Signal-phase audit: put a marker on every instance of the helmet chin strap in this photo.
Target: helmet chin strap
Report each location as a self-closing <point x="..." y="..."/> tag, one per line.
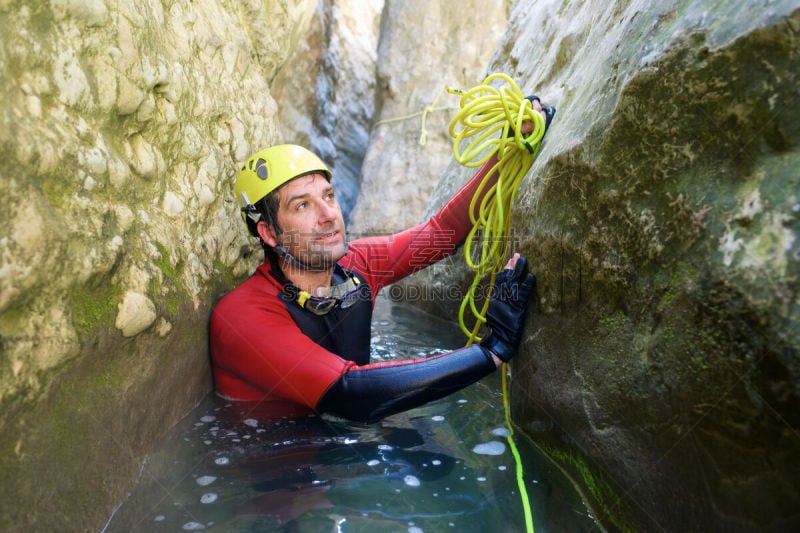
<point x="296" y="263"/>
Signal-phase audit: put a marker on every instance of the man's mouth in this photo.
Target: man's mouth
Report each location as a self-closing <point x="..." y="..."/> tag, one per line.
<point x="325" y="236"/>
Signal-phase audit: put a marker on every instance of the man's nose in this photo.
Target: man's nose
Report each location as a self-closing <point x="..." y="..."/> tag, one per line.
<point x="326" y="212"/>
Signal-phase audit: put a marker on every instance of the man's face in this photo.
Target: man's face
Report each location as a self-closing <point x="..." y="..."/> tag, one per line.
<point x="312" y="221"/>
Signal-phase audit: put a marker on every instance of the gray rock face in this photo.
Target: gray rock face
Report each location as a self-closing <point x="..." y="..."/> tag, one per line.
<point x="421" y="53"/>
<point x="121" y="125"/>
<point x="661" y="365"/>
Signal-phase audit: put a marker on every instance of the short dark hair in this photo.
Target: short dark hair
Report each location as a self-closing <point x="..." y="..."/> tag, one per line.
<point x="268" y="207"/>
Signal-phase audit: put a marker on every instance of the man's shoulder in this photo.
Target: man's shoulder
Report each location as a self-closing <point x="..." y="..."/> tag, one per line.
<point x="256" y="290"/>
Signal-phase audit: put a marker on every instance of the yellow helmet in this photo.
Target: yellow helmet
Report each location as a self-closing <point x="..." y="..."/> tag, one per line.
<point x="267" y="170"/>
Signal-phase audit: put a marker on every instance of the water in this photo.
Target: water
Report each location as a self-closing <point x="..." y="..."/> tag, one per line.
<point x="445" y="466"/>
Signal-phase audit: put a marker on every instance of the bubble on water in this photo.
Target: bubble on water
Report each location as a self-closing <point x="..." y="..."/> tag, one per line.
<point x="436" y="462"/>
<point x="222" y="461"/>
<point x="437" y="418"/>
<point x="501" y="467"/>
<point x="462" y="401"/>
<point x="208" y="497"/>
<point x="193" y="526"/>
<point x="213" y="428"/>
<point x="348" y="440"/>
<point x="462" y="478"/>
<point x="384" y="447"/>
<point x="373" y="462"/>
<point x="411" y="481"/>
<point x="415" y="529"/>
<point x="205" y="480"/>
<point x="208" y="418"/>
<point x="490" y="448"/>
<point x="159" y="518"/>
<point x="481" y="478"/>
<point x="501" y="432"/>
<point x="207" y="442"/>
<point x="252" y="422"/>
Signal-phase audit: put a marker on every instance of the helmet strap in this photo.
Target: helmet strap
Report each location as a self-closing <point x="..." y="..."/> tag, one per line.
<point x="294" y="262"/>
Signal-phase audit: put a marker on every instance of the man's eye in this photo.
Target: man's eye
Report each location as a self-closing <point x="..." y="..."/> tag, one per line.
<point x="301" y="205"/>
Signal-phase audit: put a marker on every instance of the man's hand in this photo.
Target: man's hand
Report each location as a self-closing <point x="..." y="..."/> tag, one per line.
<point x="513" y="289"/>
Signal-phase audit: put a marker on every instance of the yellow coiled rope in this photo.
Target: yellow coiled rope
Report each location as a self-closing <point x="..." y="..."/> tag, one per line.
<point x="490" y="122"/>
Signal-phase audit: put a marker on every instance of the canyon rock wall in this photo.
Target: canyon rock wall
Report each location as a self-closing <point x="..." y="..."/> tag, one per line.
<point x="662" y="363"/>
<point x="122" y="124"/>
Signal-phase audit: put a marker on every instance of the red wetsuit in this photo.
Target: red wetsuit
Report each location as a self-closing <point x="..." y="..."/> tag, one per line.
<point x="259" y="353"/>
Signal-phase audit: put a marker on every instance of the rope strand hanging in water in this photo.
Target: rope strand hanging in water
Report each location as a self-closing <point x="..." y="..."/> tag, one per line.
<point x="493" y="119"/>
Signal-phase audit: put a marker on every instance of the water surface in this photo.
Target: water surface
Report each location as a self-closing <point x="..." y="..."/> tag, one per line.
<point x="443" y="467"/>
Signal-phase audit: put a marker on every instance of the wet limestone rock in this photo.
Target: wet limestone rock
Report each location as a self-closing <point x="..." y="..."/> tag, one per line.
<point x="661" y="366"/>
<point x="326" y="90"/>
<point x="120" y="128"/>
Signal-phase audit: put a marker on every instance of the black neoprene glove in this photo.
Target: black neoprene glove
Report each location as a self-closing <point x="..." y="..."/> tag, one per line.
<point x="511" y="293"/>
<point x="549" y="111"/>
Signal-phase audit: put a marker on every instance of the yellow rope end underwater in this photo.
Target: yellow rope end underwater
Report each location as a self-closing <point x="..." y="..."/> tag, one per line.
<point x="490" y="122"/>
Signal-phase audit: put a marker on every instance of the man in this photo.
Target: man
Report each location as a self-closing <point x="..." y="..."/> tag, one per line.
<point x="297" y="333"/>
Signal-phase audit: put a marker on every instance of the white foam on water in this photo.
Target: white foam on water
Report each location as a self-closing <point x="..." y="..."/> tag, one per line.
<point x="252" y="422"/>
<point x="208" y="497"/>
<point x="205" y="480"/>
<point x="436" y="462"/>
<point x="222" y="461"/>
<point x="415" y="529"/>
<point x="208" y="418"/>
<point x="437" y="418"/>
<point x="490" y="448"/>
<point x="384" y="447"/>
<point x="501" y="467"/>
<point x="501" y="432"/>
<point x="411" y="481"/>
<point x="159" y="518"/>
<point x="463" y="401"/>
<point x="192" y="526"/>
<point x="481" y="478"/>
<point x="373" y="462"/>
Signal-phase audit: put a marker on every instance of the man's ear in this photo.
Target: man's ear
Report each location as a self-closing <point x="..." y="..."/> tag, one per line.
<point x="267" y="233"/>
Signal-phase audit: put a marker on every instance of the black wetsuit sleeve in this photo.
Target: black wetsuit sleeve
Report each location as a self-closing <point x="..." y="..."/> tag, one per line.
<point x="366" y="394"/>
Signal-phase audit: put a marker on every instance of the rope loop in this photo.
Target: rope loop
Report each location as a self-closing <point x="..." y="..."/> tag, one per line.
<point x="490" y="122"/>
